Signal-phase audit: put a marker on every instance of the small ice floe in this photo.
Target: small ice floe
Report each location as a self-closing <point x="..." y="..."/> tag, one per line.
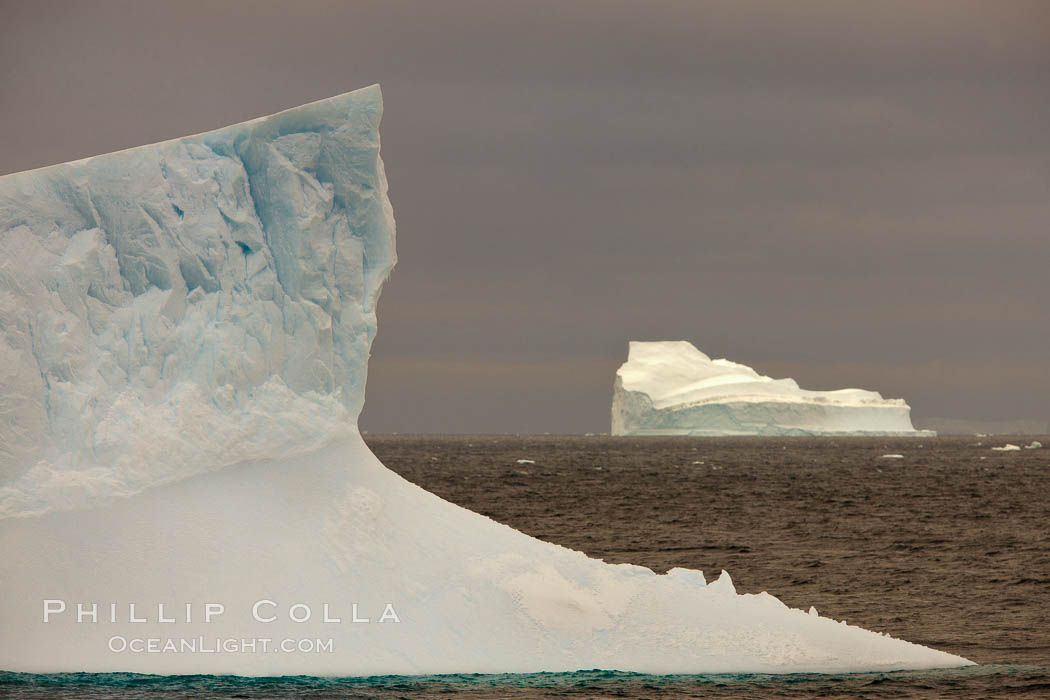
<point x="526" y="461"/>
<point x="893" y="456"/>
<point x="696" y="462"/>
<point x="1034" y="445"/>
<point x="1007" y="448"/>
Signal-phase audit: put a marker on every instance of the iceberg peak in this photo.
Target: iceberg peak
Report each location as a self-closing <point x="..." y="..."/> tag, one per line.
<point x="180" y="307"/>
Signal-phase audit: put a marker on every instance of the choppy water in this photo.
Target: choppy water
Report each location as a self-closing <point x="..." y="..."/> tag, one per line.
<point x="948" y="547"/>
<point x="980" y="681"/>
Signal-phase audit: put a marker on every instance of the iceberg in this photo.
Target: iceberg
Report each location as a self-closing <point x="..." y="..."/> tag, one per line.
<point x="671" y="388"/>
<point x="184" y="334"/>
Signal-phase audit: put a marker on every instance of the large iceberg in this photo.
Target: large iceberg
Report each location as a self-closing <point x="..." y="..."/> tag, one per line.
<point x="671" y="388"/>
<point x="184" y="334"/>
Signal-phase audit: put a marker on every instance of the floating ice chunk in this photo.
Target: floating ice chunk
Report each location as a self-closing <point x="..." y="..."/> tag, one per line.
<point x="1008" y="447"/>
<point x="526" y="461"/>
<point x="1033" y="445"/>
<point x="671" y="388"/>
<point x="892" y="456"/>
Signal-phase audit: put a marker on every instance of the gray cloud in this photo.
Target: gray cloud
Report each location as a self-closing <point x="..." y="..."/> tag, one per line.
<point x="851" y="193"/>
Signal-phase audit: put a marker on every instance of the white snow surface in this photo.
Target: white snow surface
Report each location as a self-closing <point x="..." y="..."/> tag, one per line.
<point x="184" y="331"/>
<point x="672" y="388"/>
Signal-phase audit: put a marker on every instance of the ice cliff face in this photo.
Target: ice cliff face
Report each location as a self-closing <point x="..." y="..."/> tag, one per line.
<point x="671" y="388"/>
<point x="188" y="305"/>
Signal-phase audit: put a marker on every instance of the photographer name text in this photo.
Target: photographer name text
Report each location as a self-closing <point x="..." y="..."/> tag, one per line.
<point x="264" y="611"/>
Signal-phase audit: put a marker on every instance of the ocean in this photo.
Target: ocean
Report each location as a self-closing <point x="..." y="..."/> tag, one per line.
<point x="947" y="545"/>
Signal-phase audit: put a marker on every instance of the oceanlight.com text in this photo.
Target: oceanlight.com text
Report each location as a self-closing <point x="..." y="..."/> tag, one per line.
<point x="218" y="645"/>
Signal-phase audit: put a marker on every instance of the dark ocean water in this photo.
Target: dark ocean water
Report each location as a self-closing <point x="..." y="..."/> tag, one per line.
<point x="948" y="547"/>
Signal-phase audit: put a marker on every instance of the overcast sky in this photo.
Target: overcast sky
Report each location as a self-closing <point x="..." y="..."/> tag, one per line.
<point x="848" y="193"/>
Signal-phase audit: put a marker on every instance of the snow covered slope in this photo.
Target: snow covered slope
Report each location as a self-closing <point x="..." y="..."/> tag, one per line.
<point x="671" y="388"/>
<point x="185" y="332"/>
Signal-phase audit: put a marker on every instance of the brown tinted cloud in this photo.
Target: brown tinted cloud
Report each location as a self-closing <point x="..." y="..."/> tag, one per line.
<point x="852" y="193"/>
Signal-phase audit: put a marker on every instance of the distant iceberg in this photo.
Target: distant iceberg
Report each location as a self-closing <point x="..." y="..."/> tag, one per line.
<point x="671" y="388"/>
<point x="184" y="338"/>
